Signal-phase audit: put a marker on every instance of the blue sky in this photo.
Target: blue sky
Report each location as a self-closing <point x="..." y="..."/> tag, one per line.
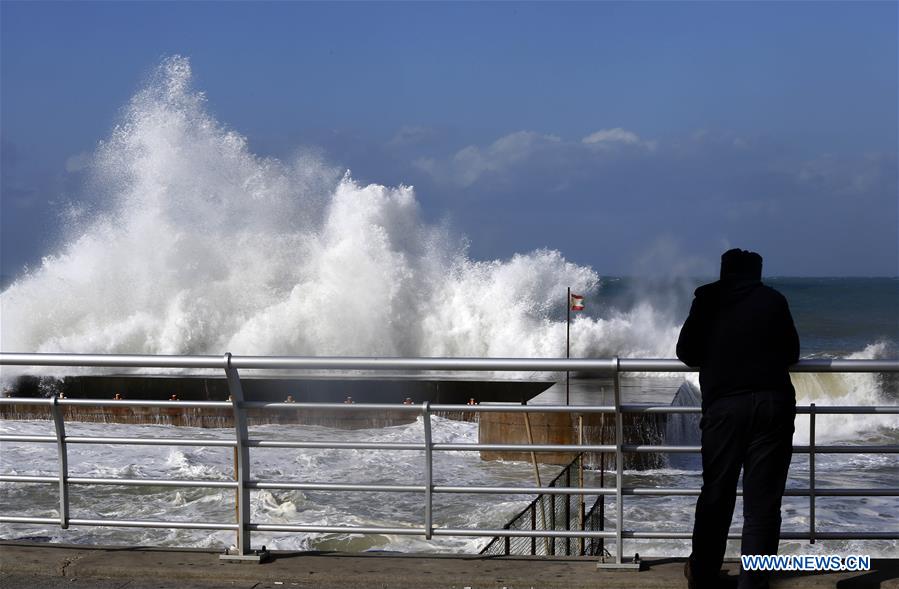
<point x="634" y="137"/>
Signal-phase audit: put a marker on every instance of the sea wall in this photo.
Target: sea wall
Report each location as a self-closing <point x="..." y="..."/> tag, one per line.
<point x="388" y="391"/>
<point x="220" y="418"/>
<point x="563" y="428"/>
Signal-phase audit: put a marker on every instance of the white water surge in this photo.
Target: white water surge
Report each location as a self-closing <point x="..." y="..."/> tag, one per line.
<point x="198" y="246"/>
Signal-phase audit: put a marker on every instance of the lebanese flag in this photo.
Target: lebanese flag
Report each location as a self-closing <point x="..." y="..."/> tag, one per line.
<point x="577" y="302"/>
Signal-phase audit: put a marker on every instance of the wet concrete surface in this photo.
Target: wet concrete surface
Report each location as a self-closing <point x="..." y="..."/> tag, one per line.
<point x="38" y="566"/>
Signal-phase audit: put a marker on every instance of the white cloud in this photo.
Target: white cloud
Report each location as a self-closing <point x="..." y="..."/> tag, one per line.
<point x="616" y="135"/>
<point x="472" y="162"/>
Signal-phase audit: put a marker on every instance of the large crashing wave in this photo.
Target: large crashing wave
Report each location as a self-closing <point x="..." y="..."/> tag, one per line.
<point x="199" y="246"/>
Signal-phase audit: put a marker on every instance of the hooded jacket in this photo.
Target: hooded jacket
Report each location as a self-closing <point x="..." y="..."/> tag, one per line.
<point x="740" y="333"/>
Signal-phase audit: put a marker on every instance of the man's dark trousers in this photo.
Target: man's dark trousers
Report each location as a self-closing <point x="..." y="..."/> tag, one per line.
<point x="752" y="430"/>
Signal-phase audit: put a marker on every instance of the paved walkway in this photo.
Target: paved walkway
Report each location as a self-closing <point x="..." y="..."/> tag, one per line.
<point x="37" y="566"/>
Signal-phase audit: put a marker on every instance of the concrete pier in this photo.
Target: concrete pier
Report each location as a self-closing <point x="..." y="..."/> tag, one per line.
<point x="76" y="567"/>
<point x="390" y="390"/>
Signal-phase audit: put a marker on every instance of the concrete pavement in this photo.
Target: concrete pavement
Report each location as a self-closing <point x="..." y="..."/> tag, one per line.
<point x="38" y="566"/>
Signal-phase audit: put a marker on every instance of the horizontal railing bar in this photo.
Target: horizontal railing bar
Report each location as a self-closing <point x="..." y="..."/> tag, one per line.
<point x="336" y="487"/>
<point x="503" y="532"/>
<point x="309" y="362"/>
<point x="798" y="492"/>
<point x="841" y="365"/>
<point x="147" y="403"/>
<point x="884" y="449"/>
<point x="123" y="441"/>
<point x="800" y="409"/>
<point x="783" y="535"/>
<point x="641" y="408"/>
<point x="111" y="360"/>
<point x="213" y="484"/>
<point x="117" y="403"/>
<point x="653" y="365"/>
<point x="850" y="492"/>
<point x="29" y="520"/>
<point x="335" y="445"/>
<point x="420" y="531"/>
<point x="335" y="529"/>
<point x="817" y="365"/>
<point x="336" y="406"/>
<point x="16" y="438"/>
<point x="658" y="491"/>
<point x="453" y="364"/>
<point x="848" y="409"/>
<point x="519" y="408"/>
<point x="24" y="478"/>
<point x="120" y="523"/>
<point x="648" y="448"/>
<point x="150" y="441"/>
<point x="525" y="447"/>
<point x="371" y="363"/>
<point x="27" y="401"/>
<point x="841" y="535"/>
<point x="526" y="490"/>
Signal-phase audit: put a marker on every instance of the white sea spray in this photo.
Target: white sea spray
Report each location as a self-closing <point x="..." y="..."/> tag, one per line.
<point x="197" y="246"/>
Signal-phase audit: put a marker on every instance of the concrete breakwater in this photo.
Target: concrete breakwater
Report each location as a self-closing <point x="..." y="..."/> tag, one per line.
<point x="219" y="418"/>
<point x="493" y="427"/>
<point x="564" y="428"/>
<point x="387" y="391"/>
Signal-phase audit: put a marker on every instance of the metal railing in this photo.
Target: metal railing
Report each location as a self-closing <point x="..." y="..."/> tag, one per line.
<point x="554" y="512"/>
<point x="242" y="442"/>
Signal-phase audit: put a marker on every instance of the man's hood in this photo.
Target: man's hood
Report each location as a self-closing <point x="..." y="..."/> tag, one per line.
<point x="728" y="290"/>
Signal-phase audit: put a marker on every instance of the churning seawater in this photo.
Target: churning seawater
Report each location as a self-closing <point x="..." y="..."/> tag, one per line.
<point x="191" y="244"/>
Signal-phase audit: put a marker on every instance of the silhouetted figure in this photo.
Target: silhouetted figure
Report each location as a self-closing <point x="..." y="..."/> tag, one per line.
<point x="741" y="336"/>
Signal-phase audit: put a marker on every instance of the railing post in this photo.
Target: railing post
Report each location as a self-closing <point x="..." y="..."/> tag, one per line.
<point x="619" y="475"/>
<point x="534" y="527"/>
<point x="429" y="470"/>
<point x="568" y="499"/>
<point x="619" y="469"/>
<point x="243" y="551"/>
<point x="60" y="427"/>
<point x="811" y="472"/>
<point x="580" y="483"/>
<point x="552" y="523"/>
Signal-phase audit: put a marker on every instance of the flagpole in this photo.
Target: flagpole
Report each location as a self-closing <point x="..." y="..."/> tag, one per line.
<point x="567" y="339"/>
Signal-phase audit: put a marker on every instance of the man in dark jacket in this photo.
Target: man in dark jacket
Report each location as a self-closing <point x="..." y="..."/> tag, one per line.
<point x="741" y="336"/>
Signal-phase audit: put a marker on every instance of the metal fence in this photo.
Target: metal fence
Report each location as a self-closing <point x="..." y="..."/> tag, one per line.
<point x="557" y="512"/>
<point x="244" y="483"/>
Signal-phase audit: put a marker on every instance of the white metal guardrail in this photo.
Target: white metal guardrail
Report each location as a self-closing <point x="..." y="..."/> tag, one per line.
<point x="242" y="442"/>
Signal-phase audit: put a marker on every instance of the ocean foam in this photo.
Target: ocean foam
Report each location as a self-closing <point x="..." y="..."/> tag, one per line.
<point x="198" y="246"/>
